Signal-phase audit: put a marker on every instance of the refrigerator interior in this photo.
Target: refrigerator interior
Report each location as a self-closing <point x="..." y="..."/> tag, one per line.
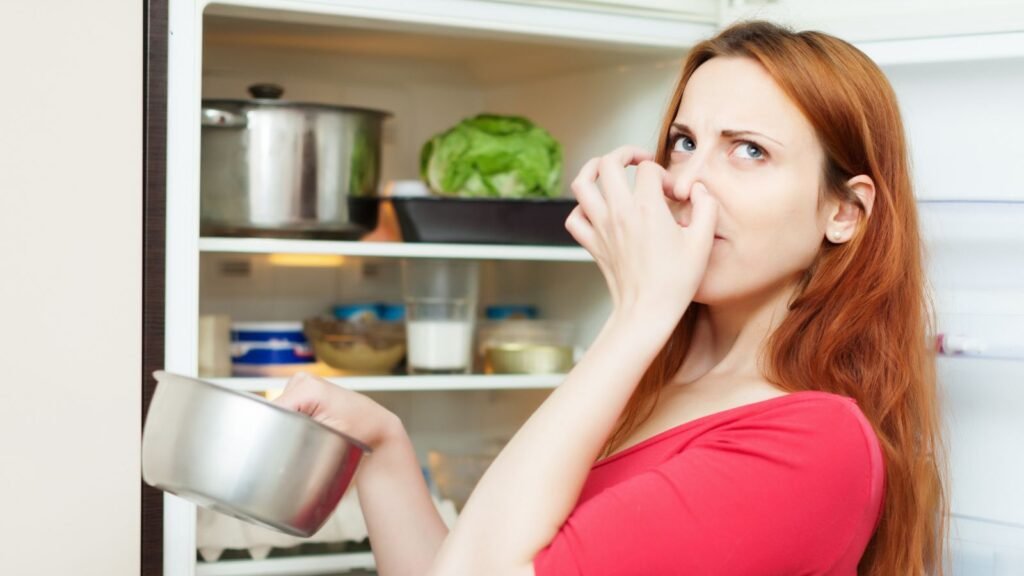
<point x="254" y="288"/>
<point x="962" y="119"/>
<point x="591" y="97"/>
<point x="977" y="275"/>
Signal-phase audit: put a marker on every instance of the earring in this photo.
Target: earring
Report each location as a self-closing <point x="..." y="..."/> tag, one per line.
<point x="836" y="236"/>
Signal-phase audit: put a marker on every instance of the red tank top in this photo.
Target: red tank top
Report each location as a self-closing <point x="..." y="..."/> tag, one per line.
<point x="786" y="486"/>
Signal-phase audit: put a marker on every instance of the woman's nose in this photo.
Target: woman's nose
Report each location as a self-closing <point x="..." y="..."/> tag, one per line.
<point x="679" y="196"/>
<point x="685" y="176"/>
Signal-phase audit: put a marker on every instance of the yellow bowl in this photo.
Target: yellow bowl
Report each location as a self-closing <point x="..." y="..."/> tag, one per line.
<point x="357" y="348"/>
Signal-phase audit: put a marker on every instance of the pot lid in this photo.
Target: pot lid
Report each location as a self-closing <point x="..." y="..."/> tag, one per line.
<point x="268" y="95"/>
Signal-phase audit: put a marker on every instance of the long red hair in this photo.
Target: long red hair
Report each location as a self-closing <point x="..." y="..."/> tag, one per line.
<point x="861" y="322"/>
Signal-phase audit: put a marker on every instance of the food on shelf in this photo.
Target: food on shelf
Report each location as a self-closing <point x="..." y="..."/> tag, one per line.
<point x="360" y="339"/>
<point x="513" y="341"/>
<point x="270" y="349"/>
<point x="440" y="345"/>
<point x="493" y="156"/>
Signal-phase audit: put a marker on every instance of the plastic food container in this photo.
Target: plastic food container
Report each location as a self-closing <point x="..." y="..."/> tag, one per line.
<point x="269" y="349"/>
<point x="527" y="358"/>
<point x="525" y="346"/>
<point x="391" y="312"/>
<point x="510" y="311"/>
<point x="368" y="311"/>
<point x="366" y="346"/>
<point x="357" y="312"/>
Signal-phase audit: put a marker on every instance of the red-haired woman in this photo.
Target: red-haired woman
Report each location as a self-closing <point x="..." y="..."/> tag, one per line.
<point x="762" y="398"/>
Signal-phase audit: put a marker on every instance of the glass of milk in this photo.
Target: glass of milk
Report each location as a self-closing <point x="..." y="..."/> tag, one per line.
<point x="440" y="314"/>
<point x="440" y="335"/>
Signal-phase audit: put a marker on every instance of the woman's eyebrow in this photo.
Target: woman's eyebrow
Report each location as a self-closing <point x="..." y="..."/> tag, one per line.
<point x="730" y="133"/>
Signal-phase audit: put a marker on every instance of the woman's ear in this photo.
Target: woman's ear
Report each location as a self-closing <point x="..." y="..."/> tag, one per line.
<point x="864" y="187"/>
<point x="842" y="222"/>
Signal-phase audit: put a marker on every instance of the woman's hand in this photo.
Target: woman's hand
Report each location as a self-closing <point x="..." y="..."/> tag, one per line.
<point x="344" y="410"/>
<point x="650" y="261"/>
<point x="401" y="519"/>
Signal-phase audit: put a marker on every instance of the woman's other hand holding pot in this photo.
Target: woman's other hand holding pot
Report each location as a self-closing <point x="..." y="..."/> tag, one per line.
<point x="404" y="525"/>
<point x="349" y="412"/>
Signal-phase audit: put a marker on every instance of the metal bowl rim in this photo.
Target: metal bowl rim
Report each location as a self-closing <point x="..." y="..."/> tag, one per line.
<point x="292" y="413"/>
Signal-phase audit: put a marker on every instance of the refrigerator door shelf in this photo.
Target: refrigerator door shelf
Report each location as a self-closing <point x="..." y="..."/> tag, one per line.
<point x="966" y="345"/>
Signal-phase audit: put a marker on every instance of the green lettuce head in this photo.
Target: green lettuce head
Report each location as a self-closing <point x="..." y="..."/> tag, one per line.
<point x="492" y="156"/>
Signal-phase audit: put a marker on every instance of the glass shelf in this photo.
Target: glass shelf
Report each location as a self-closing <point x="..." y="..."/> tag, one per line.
<point x="318" y="564"/>
<point x="409" y="383"/>
<point x="395" y="249"/>
<point x="995" y="222"/>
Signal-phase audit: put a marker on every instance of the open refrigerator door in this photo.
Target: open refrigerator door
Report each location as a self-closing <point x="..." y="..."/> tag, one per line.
<point x="976" y="271"/>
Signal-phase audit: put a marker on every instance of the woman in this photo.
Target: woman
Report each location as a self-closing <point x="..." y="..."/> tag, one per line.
<point x="761" y="399"/>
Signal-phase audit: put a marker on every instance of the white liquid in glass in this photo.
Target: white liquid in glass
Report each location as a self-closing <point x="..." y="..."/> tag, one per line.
<point x="439" y="344"/>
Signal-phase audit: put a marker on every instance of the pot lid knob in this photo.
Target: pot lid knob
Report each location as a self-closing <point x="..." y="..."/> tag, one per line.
<point x="266" y="91"/>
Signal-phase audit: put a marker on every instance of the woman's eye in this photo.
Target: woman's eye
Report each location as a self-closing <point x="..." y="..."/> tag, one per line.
<point x="688" y="145"/>
<point x="752" y="151"/>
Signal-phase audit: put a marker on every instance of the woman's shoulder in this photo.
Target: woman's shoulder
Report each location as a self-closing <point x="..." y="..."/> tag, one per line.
<point x="817" y="446"/>
<point x="819" y="439"/>
<point x="815" y="413"/>
<point x="825" y="413"/>
<point x="809" y="417"/>
<point x="814" y="404"/>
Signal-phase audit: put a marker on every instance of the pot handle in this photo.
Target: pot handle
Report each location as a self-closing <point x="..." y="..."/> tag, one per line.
<point x="266" y="91"/>
<point x="218" y="118"/>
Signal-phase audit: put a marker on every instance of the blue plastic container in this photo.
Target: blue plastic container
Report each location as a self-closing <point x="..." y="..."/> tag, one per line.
<point x="269" y="343"/>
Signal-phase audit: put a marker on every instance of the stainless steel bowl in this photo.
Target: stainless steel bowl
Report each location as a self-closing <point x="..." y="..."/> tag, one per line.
<point x="244" y="456"/>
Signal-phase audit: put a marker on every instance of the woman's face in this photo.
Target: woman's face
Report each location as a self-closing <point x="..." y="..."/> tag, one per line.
<point x="739" y="134"/>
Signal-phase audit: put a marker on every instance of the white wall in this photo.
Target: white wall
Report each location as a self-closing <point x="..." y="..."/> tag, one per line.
<point x="70" y="286"/>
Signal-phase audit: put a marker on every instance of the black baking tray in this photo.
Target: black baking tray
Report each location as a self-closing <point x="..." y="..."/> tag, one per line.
<point x="484" y="220"/>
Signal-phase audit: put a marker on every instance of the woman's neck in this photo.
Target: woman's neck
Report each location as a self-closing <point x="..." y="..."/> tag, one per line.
<point x="728" y="337"/>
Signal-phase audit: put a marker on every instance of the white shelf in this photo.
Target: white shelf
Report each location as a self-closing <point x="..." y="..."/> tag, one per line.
<point x="409" y="383"/>
<point x="302" y="566"/>
<point x="395" y="249"/>
<point x="996" y="222"/>
<point x="518" y="20"/>
<point x="949" y="48"/>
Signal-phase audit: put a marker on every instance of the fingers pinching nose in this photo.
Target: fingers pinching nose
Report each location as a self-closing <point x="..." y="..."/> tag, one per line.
<point x="682" y="188"/>
<point x="705" y="209"/>
<point x="705" y="195"/>
<point x="649" y="179"/>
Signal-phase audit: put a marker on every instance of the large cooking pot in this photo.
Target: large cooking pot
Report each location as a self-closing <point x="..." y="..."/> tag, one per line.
<point x="276" y="168"/>
<point x="241" y="455"/>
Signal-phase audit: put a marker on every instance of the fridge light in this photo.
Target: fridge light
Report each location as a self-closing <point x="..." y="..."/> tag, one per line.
<point x="307" y="260"/>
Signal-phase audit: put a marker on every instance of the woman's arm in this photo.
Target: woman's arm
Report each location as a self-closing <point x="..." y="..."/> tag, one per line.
<point x="653" y="265"/>
<point x="405" y="528"/>
<point x="531" y="487"/>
